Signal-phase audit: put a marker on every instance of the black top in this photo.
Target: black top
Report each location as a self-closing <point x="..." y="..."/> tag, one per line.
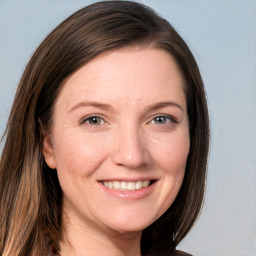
<point x="180" y="253"/>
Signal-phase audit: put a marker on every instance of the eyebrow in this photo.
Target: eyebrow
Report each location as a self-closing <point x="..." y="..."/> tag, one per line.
<point x="108" y="107"/>
<point x="92" y="104"/>
<point x="159" y="105"/>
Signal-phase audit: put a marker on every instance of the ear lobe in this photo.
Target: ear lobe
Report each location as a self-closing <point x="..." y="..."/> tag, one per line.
<point x="48" y="152"/>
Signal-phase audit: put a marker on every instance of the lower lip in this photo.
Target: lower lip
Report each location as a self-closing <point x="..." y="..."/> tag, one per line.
<point x="129" y="194"/>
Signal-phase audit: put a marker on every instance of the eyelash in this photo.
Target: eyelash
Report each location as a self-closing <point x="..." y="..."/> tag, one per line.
<point x="87" y="119"/>
<point x="166" y="117"/>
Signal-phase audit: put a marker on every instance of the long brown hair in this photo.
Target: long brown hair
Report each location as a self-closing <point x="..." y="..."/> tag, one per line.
<point x="30" y="194"/>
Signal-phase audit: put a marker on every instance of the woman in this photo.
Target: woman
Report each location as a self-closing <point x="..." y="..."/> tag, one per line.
<point x="107" y="141"/>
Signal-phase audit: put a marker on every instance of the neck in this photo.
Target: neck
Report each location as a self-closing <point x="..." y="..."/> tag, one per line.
<point x="82" y="240"/>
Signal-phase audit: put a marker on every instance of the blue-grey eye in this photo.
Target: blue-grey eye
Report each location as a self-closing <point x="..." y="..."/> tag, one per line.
<point x="160" y="120"/>
<point x="94" y="120"/>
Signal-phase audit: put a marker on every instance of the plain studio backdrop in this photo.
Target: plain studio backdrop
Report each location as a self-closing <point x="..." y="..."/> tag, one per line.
<point x="222" y="37"/>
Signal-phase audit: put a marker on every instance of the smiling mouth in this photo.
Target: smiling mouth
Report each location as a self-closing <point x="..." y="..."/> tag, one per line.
<point x="127" y="185"/>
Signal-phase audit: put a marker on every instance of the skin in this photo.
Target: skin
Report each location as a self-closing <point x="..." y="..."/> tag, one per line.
<point x="139" y="131"/>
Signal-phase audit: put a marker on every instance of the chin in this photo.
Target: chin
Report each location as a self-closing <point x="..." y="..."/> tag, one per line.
<point x="131" y="225"/>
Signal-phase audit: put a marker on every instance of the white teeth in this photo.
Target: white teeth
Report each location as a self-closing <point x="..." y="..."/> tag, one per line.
<point x="116" y="185"/>
<point x="131" y="185"/>
<point x="123" y="185"/>
<point x="105" y="184"/>
<point x="145" y="183"/>
<point x="138" y="185"/>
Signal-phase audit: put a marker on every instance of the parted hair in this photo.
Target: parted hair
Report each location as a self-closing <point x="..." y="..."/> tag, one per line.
<point x="30" y="194"/>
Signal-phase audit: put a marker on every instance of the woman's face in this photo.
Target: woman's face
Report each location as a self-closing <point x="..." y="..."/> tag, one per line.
<point x="120" y="139"/>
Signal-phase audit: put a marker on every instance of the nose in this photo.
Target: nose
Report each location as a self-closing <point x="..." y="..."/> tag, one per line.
<point x="130" y="149"/>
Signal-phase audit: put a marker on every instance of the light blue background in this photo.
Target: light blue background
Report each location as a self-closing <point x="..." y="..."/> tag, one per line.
<point x="222" y="36"/>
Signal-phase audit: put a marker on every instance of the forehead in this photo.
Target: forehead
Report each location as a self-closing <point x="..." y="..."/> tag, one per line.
<point x="129" y="73"/>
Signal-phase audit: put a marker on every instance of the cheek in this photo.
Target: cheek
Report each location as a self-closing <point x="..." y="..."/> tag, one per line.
<point x="171" y="153"/>
<point x="80" y="154"/>
<point x="171" y="157"/>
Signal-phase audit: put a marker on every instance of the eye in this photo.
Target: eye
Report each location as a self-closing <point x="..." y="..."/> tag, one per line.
<point x="93" y="120"/>
<point x="161" y="120"/>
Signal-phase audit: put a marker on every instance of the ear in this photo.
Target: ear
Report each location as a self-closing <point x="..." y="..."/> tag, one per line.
<point x="48" y="152"/>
